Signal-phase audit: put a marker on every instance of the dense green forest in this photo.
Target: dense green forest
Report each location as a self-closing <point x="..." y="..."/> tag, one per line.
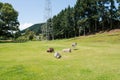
<point x="86" y="17"/>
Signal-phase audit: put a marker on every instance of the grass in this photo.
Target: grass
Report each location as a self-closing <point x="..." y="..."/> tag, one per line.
<point x="97" y="57"/>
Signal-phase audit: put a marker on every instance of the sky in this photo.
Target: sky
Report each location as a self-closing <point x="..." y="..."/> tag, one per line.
<point x="33" y="11"/>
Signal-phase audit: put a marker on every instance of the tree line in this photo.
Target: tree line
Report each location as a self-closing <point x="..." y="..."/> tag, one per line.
<point x="86" y="17"/>
<point x="9" y="24"/>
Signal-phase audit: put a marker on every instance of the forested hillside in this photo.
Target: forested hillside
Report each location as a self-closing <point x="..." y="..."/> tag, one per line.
<point x="86" y="17"/>
<point x="36" y="28"/>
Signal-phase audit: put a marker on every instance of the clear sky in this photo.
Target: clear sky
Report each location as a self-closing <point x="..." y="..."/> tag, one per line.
<point x="32" y="11"/>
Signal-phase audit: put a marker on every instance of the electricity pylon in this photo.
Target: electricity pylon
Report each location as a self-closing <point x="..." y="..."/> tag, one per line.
<point x="47" y="30"/>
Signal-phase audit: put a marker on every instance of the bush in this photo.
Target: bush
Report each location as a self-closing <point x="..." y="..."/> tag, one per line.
<point x="21" y="39"/>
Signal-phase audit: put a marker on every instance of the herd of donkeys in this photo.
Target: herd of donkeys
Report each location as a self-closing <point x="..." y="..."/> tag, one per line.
<point x="57" y="54"/>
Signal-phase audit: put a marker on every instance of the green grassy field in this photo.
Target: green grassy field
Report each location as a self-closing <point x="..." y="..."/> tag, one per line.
<point x="97" y="57"/>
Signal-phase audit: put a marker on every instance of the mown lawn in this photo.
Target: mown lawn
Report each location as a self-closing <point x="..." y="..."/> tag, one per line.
<point x="97" y="57"/>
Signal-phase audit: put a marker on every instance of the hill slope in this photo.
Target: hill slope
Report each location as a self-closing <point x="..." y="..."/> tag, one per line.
<point x="35" y="28"/>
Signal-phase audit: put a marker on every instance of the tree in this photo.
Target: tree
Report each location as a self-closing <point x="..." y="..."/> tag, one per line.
<point x="78" y="14"/>
<point x="29" y="34"/>
<point x="8" y="20"/>
<point x="68" y="22"/>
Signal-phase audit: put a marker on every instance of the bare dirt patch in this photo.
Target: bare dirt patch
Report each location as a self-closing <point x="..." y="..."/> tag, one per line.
<point x="114" y="31"/>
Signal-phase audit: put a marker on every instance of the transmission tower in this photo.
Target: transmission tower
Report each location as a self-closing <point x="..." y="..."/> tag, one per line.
<point x="48" y="30"/>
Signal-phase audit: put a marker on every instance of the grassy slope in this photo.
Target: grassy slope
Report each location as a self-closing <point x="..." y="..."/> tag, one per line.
<point x="97" y="58"/>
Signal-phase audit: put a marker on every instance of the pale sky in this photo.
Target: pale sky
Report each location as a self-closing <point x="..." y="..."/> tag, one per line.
<point x="32" y="11"/>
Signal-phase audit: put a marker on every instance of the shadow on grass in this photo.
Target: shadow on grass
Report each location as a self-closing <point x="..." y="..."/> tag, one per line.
<point x="6" y="41"/>
<point x="12" y="41"/>
<point x="75" y="49"/>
